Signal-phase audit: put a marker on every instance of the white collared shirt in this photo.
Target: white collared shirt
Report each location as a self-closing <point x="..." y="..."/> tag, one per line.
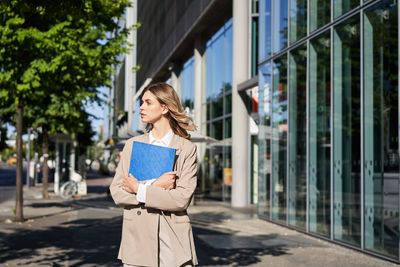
<point x="165" y="142"/>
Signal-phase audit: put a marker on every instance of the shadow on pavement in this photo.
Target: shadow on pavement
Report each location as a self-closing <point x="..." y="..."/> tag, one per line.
<point x="248" y="254"/>
<point x="94" y="242"/>
<point x="47" y="205"/>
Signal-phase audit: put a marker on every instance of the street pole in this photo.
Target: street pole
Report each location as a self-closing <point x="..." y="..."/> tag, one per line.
<point x="28" y="158"/>
<point x="35" y="175"/>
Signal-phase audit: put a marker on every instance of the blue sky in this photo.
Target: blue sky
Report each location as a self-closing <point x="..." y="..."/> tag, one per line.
<point x="99" y="111"/>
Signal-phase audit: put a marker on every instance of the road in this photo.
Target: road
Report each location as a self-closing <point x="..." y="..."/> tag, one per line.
<point x="7" y="175"/>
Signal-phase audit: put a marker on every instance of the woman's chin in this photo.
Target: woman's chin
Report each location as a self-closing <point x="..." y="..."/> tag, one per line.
<point x="144" y="120"/>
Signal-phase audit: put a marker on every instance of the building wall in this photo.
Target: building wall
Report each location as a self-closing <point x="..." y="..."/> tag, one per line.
<point x="329" y="115"/>
<point x="169" y="29"/>
<point x="163" y="25"/>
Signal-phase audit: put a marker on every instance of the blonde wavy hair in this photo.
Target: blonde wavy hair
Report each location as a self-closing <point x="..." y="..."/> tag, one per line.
<point x="178" y="120"/>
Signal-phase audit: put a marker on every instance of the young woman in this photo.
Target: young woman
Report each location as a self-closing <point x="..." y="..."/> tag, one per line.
<point x="156" y="230"/>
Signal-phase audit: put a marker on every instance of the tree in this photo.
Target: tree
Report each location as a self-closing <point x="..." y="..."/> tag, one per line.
<point x="53" y="57"/>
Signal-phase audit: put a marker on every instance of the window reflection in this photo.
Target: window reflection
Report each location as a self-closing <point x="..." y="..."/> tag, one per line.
<point x="265" y="30"/>
<point x="346" y="132"/>
<point x="218" y="103"/>
<point x="280" y="29"/>
<point x="187" y="86"/>
<point x="279" y="139"/>
<point x="343" y="6"/>
<point x="381" y="144"/>
<point x="298" y="137"/>
<point x="298" y="19"/>
<point x="264" y="139"/>
<point x="320" y="13"/>
<point x="319" y="136"/>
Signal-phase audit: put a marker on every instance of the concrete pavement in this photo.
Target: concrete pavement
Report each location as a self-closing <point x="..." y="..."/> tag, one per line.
<point x="86" y="231"/>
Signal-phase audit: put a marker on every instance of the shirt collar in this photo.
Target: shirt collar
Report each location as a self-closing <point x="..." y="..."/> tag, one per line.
<point x="166" y="140"/>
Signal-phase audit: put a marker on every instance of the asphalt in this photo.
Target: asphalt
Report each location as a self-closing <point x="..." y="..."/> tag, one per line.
<point x="86" y="231"/>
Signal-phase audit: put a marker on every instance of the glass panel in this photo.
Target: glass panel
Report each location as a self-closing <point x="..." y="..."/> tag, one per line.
<point x="254" y="46"/>
<point x="208" y="111"/>
<point x="254" y="6"/>
<point x="217" y="107"/>
<point x="346" y="134"/>
<point x="218" y="67"/>
<point x="187" y="85"/>
<point x="227" y="174"/>
<point x="265" y="42"/>
<point x="280" y="29"/>
<point x="342" y="6"/>
<point x="320" y="13"/>
<point x="298" y="19"/>
<point x="227" y="85"/>
<point x="219" y="62"/>
<point x="320" y="135"/>
<point x="298" y="137"/>
<point x="254" y="169"/>
<point x="228" y="128"/>
<point x="216" y="129"/>
<point x="209" y="73"/>
<point x="279" y="139"/>
<point x="206" y="177"/>
<point x="216" y="173"/>
<point x="264" y="139"/>
<point x="381" y="136"/>
<point x="228" y="104"/>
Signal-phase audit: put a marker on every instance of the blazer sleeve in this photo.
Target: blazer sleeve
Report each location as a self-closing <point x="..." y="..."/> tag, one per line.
<point x="177" y="199"/>
<point x="120" y="196"/>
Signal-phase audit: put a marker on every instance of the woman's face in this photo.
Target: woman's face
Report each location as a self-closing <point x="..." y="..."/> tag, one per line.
<point x="151" y="110"/>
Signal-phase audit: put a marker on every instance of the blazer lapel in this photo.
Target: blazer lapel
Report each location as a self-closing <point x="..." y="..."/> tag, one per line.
<point x="175" y="143"/>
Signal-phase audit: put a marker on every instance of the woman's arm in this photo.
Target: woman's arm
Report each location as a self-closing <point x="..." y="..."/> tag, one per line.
<point x="120" y="196"/>
<point x="179" y="198"/>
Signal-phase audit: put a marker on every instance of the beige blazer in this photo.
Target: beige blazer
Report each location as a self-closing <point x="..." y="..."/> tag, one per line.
<point x="139" y="241"/>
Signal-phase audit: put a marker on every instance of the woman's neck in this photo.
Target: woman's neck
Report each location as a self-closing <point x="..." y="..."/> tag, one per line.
<point x="160" y="128"/>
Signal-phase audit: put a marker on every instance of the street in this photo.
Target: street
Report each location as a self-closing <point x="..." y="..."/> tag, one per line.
<point x="86" y="231"/>
<point x="7" y="175"/>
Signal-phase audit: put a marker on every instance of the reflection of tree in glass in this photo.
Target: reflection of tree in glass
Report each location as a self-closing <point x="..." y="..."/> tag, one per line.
<point x="298" y="19"/>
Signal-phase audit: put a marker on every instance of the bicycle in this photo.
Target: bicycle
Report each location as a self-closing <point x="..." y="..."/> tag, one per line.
<point x="70" y="188"/>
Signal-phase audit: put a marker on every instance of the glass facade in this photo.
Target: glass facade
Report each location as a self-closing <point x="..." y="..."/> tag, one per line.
<point x="254" y="36"/>
<point x="297" y="137"/>
<point x="264" y="139"/>
<point x="298" y="19"/>
<point x="343" y="6"/>
<point x="218" y="105"/>
<point x="381" y="136"/>
<point x="346" y="131"/>
<point x="319" y="134"/>
<point x="187" y="86"/>
<point x="279" y="138"/>
<point x="320" y="13"/>
<point x="328" y="143"/>
<point x="279" y="24"/>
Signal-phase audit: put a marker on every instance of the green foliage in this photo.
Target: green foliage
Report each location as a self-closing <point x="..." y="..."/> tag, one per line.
<point x="54" y="55"/>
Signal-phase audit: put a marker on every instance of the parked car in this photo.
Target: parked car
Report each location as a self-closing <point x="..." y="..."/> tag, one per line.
<point x="12" y="160"/>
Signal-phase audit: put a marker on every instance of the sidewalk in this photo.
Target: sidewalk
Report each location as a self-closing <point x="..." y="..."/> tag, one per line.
<point x="87" y="231"/>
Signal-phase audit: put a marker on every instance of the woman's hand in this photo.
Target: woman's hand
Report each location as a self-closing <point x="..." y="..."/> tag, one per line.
<point x="166" y="181"/>
<point x="130" y="184"/>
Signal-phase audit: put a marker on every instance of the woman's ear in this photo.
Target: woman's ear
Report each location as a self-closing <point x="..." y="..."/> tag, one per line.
<point x="164" y="109"/>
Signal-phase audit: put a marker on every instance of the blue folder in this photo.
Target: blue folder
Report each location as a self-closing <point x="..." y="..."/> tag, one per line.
<point x="150" y="161"/>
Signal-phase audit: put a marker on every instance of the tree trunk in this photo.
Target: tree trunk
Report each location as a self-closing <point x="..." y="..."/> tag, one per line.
<point x="45" y="178"/>
<point x="19" y="216"/>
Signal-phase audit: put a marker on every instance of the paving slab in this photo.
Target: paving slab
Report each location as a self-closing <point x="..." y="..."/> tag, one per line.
<point x="86" y="231"/>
